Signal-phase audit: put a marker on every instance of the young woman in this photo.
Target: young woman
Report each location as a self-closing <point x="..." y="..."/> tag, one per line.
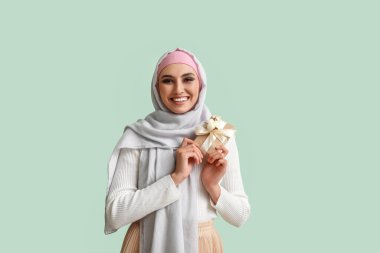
<point x="160" y="182"/>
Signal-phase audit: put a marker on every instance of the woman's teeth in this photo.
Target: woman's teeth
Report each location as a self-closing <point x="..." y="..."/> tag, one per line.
<point x="181" y="99"/>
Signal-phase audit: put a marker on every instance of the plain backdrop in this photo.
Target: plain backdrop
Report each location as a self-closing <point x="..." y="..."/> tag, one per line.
<point x="299" y="80"/>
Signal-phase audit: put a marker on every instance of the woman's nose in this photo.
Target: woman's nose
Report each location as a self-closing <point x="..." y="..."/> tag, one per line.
<point x="179" y="87"/>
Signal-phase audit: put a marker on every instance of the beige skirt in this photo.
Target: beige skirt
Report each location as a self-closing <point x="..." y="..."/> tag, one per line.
<point x="209" y="238"/>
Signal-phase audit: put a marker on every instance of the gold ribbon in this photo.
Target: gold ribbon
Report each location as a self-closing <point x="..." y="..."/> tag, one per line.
<point x="214" y="132"/>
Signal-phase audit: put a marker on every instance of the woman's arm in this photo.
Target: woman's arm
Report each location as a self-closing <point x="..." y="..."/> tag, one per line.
<point x="232" y="203"/>
<point x="125" y="203"/>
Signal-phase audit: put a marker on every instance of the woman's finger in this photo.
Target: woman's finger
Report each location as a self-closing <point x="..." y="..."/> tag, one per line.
<point x="221" y="162"/>
<point x="214" y="152"/>
<point x="199" y="152"/>
<point x="222" y="149"/>
<point x="187" y="141"/>
<point x="198" y="149"/>
<point x="191" y="154"/>
<point x="195" y="148"/>
<point x="214" y="156"/>
<point x="194" y="153"/>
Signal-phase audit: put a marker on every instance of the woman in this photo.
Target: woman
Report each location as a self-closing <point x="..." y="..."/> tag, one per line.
<point x="160" y="182"/>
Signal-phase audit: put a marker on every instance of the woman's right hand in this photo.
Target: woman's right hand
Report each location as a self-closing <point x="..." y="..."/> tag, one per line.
<point x="187" y="155"/>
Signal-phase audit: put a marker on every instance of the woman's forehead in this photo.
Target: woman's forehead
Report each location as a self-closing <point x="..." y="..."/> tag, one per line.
<point x="177" y="69"/>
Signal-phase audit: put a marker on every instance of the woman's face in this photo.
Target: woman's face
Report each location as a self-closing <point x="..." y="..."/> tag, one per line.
<point x="178" y="87"/>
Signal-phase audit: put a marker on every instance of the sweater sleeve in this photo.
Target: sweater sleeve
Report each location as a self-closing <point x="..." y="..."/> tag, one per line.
<point x="125" y="203"/>
<point x="233" y="203"/>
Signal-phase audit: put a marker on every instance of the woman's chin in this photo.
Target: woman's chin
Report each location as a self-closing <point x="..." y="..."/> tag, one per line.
<point x="178" y="110"/>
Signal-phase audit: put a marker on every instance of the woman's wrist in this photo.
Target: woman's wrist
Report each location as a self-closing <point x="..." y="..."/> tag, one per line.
<point x="176" y="178"/>
<point x="214" y="192"/>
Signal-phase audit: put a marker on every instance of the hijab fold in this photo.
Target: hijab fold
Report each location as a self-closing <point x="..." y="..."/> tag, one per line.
<point x="173" y="228"/>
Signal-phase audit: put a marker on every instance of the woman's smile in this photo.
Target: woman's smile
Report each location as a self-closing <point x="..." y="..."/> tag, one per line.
<point x="180" y="100"/>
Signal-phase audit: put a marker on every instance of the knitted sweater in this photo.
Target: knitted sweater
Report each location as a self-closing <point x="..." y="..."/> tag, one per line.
<point x="125" y="203"/>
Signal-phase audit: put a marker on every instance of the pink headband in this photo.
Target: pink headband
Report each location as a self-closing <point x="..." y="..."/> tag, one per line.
<point x="177" y="56"/>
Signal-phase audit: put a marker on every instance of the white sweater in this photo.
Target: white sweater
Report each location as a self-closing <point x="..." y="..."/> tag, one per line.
<point x="126" y="204"/>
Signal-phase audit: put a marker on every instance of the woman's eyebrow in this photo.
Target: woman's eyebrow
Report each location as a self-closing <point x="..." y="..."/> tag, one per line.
<point x="187" y="74"/>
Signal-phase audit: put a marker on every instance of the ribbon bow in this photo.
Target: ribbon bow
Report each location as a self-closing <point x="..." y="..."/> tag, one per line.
<point x="214" y="128"/>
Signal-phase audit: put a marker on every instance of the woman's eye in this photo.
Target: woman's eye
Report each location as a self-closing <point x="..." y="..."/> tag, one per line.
<point x="166" y="81"/>
<point x="189" y="79"/>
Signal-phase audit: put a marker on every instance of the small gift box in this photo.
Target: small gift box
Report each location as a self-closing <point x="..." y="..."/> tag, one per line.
<point x="212" y="133"/>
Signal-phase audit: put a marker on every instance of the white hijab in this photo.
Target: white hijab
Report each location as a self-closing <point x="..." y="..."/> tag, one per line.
<point x="174" y="228"/>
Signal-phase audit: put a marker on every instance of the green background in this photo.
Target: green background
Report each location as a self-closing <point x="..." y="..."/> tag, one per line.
<point x="299" y="80"/>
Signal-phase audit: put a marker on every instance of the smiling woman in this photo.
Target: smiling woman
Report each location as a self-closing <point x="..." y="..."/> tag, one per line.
<point x="160" y="182"/>
<point x="178" y="87"/>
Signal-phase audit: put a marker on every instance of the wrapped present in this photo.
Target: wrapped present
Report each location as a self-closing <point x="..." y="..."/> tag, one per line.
<point x="212" y="133"/>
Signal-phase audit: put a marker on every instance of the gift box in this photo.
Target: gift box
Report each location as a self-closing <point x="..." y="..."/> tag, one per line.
<point x="212" y="133"/>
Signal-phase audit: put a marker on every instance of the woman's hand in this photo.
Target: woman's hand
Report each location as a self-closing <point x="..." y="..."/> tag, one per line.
<point x="187" y="155"/>
<point x="214" y="170"/>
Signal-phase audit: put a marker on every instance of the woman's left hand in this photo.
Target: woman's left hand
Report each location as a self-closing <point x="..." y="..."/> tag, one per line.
<point x="214" y="168"/>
